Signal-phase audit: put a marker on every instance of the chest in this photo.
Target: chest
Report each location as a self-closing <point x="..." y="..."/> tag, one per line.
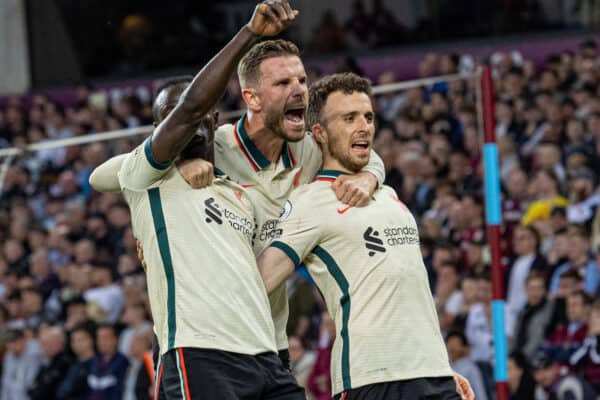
<point x="383" y="226"/>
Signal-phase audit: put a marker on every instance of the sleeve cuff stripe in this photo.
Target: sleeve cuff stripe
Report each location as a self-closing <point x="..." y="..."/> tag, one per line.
<point x="150" y="157"/>
<point x="288" y="251"/>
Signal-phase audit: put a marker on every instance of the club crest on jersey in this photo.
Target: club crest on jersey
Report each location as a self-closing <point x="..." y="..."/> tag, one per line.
<point x="286" y="211"/>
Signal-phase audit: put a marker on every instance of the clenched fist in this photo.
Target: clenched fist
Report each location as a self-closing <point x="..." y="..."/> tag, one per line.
<point x="271" y="17"/>
<point x="196" y="172"/>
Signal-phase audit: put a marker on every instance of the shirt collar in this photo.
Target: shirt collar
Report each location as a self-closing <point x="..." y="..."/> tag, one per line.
<point x="257" y="159"/>
<point x="329" y="175"/>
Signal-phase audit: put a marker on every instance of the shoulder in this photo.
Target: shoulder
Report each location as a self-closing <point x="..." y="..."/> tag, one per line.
<point x="388" y="190"/>
<point x="224" y="135"/>
<point x="233" y="193"/>
<point x="310" y="199"/>
<point x="313" y="192"/>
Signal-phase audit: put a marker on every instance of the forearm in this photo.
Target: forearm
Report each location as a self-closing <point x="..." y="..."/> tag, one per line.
<point x="199" y="98"/>
<point x="274" y="266"/>
<point x="376" y="167"/>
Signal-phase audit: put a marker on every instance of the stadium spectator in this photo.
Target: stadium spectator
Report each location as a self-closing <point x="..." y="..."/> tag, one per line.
<point x="50" y="375"/>
<point x="136" y="322"/>
<point x="551" y="383"/>
<point x="448" y="297"/>
<point x="75" y="386"/>
<point x="479" y="323"/>
<point x="140" y="374"/>
<point x="567" y="338"/>
<point x="106" y="293"/>
<point x="319" y="381"/>
<point x="107" y="372"/>
<point x="534" y="319"/>
<point x="580" y="260"/>
<point x="586" y="358"/>
<point x="526" y="246"/>
<point x="520" y="377"/>
<point x="302" y="360"/>
<point x="458" y="351"/>
<point x="20" y="366"/>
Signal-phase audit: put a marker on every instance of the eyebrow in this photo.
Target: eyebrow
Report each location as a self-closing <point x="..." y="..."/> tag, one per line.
<point x="354" y="113"/>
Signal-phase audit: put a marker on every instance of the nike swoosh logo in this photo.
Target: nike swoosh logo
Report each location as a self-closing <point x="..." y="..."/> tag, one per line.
<point x="343" y="210"/>
<point x="247" y="186"/>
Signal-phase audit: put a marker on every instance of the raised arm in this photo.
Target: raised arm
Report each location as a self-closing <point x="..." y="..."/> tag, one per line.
<point x="175" y="131"/>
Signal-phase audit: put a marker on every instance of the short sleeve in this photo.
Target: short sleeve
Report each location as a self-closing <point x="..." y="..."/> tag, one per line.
<point x="139" y="169"/>
<point x="301" y="229"/>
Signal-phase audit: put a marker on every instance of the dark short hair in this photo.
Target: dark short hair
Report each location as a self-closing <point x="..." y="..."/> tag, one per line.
<point x="83" y="327"/>
<point x="571" y="274"/>
<point x="169" y="82"/>
<point x="453" y="266"/>
<point x="107" y="325"/>
<point x="249" y="66"/>
<point x="33" y="289"/>
<point x="166" y="85"/>
<point x="346" y="83"/>
<point x="586" y="299"/>
<point x="458" y="334"/>
<point x="535" y="233"/>
<point x="533" y="275"/>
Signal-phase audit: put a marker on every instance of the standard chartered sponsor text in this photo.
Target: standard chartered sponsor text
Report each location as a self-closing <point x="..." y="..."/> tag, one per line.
<point x="401" y="235"/>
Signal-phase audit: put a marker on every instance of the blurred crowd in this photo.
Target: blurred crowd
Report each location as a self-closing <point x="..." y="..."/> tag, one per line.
<point x="74" y="315"/>
<point x="125" y="39"/>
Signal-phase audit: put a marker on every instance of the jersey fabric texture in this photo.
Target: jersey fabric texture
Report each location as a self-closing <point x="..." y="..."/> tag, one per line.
<point x="204" y="286"/>
<point x="269" y="185"/>
<point x="368" y="265"/>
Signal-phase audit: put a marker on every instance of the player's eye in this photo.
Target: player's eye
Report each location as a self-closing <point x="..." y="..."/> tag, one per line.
<point x="349" y="118"/>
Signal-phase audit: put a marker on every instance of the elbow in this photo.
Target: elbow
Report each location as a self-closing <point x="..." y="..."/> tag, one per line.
<point x="95" y="181"/>
<point x="103" y="184"/>
<point x="194" y="108"/>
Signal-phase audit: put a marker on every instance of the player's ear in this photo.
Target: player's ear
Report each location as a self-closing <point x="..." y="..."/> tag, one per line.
<point x="319" y="133"/>
<point x="251" y="99"/>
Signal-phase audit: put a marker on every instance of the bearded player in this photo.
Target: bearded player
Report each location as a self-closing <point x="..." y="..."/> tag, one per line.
<point x="366" y="262"/>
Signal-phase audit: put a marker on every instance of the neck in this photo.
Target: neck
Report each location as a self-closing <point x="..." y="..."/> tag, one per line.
<point x="87" y="355"/>
<point x="330" y="163"/>
<point x="265" y="140"/>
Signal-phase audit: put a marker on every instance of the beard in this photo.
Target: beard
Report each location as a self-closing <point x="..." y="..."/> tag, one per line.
<point x="274" y="123"/>
<point x="336" y="150"/>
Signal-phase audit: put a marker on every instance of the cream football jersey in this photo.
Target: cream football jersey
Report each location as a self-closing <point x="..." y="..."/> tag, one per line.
<point x="269" y="185"/>
<point x="368" y="265"/>
<point x="204" y="287"/>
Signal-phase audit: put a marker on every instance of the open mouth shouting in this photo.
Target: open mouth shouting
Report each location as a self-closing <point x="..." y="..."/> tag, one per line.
<point x="294" y="117"/>
<point x="361" y="146"/>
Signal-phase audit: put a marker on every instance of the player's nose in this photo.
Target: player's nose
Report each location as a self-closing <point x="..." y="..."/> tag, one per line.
<point x="299" y="88"/>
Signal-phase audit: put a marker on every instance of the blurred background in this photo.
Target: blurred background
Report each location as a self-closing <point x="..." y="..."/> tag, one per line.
<point x="73" y="293"/>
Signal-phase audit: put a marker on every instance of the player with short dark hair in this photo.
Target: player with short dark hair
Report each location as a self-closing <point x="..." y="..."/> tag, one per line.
<point x="210" y="309"/>
<point x="366" y="261"/>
